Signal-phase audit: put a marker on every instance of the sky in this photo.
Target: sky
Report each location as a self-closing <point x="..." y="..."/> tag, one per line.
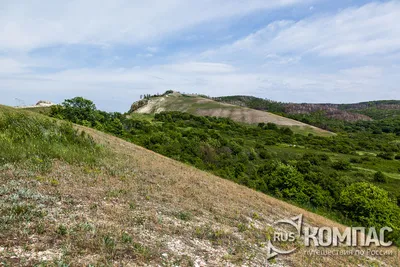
<point x="112" y="52"/>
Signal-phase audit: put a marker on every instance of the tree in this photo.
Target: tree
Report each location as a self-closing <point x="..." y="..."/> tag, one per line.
<point x="369" y="205"/>
<point x="78" y="109"/>
<point x="290" y="184"/>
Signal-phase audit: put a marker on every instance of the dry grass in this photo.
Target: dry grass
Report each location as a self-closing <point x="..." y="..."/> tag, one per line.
<point x="143" y="209"/>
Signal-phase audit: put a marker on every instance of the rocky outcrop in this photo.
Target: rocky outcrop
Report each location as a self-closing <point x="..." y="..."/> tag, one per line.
<point x="43" y="103"/>
<point x="141" y="103"/>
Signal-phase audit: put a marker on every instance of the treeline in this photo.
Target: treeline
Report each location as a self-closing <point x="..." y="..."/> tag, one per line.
<point x="248" y="155"/>
<point x="253" y="102"/>
<point x="148" y="96"/>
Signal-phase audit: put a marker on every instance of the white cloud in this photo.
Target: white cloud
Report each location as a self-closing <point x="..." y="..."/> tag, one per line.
<point x="28" y="24"/>
<point x="147" y="55"/>
<point x="366" y="72"/>
<point x="152" y="49"/>
<point x="9" y="66"/>
<point x="116" y="89"/>
<point x="348" y="56"/>
<point x="200" y="67"/>
<point x="373" y="29"/>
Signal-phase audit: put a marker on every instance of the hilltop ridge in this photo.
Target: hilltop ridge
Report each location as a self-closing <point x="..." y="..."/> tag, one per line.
<point x="201" y="106"/>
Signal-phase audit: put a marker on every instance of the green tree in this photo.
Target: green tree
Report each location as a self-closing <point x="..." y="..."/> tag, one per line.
<point x="78" y="109"/>
<point x="369" y="205"/>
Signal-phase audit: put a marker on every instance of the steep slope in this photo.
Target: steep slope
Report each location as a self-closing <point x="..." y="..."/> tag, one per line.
<point x="206" y="107"/>
<point x="133" y="207"/>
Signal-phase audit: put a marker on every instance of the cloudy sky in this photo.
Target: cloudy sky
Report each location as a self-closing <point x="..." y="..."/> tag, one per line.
<point x="114" y="51"/>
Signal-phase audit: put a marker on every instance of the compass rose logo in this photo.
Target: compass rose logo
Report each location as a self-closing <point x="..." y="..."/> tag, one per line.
<point x="296" y="222"/>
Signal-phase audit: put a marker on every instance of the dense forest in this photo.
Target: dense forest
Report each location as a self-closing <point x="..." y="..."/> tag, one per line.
<point x="352" y="177"/>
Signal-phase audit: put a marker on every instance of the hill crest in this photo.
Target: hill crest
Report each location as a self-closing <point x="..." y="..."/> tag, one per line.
<point x="201" y="106"/>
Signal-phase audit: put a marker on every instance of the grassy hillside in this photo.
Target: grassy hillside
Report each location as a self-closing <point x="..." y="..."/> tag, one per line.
<point x="314" y="172"/>
<point x="197" y="105"/>
<point x="103" y="201"/>
<point x="38" y="109"/>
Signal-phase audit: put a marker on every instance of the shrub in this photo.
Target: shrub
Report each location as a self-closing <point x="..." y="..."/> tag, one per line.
<point x="369" y="205"/>
<point x="271" y="141"/>
<point x="314" y="159"/>
<point x="341" y="165"/>
<point x="379" y="177"/>
<point x="386" y="155"/>
<point x="264" y="154"/>
<point x="356" y="160"/>
<point x="286" y="131"/>
<point x="272" y="126"/>
<point x="303" y="166"/>
<point x="324" y="157"/>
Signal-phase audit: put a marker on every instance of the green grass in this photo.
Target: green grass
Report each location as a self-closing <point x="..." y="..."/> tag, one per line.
<point x="309" y="130"/>
<point x="141" y="116"/>
<point x="40" y="110"/>
<point x="34" y="141"/>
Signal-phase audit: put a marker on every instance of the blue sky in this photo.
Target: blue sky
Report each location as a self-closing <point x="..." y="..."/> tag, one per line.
<point x="114" y="51"/>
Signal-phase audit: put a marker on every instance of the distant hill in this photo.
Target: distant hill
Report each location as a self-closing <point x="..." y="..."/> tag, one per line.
<point x="364" y="111"/>
<point x="202" y="106"/>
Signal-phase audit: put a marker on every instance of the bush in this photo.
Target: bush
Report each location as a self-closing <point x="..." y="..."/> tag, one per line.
<point x="303" y="166"/>
<point x="379" y="177"/>
<point x="356" y="160"/>
<point x="386" y="155"/>
<point x="271" y="141"/>
<point x="341" y="165"/>
<point x="286" y="131"/>
<point x="264" y="154"/>
<point x="272" y="126"/>
<point x="369" y="205"/>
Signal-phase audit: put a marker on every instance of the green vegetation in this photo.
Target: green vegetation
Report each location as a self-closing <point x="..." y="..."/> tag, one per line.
<point x="254" y="103"/>
<point x="35" y="141"/>
<point x="370" y="205"/>
<point x="40" y="110"/>
<point x="205" y="106"/>
<point x="380" y="177"/>
<point x="389" y="124"/>
<point x="385" y="114"/>
<point x="318" y="173"/>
